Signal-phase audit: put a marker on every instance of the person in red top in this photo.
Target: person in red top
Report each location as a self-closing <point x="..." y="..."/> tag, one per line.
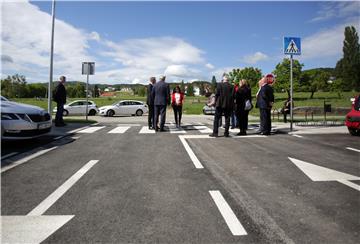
<point x="177" y="99"/>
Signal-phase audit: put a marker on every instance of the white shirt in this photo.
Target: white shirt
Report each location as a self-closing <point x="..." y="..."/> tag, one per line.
<point x="177" y="98"/>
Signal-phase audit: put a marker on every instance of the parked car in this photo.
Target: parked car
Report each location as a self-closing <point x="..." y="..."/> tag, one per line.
<point x="78" y="107"/>
<point x="352" y="120"/>
<point x="207" y="110"/>
<point x="126" y="107"/>
<point x="22" y="121"/>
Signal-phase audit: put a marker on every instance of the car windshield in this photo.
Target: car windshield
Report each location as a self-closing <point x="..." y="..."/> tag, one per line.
<point x="117" y="103"/>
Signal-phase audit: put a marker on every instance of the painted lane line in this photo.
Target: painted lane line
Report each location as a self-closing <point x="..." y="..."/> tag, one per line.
<point x="230" y="218"/>
<point x="91" y="129"/>
<point x="8" y="155"/>
<point x="203" y="129"/>
<point x="353" y="149"/>
<point x="297" y="136"/>
<point x="78" y="129"/>
<point x="177" y="131"/>
<point x="192" y="155"/>
<point x="145" y="130"/>
<point x="26" y="159"/>
<point x="119" y="130"/>
<point x="350" y="184"/>
<point x="50" y="200"/>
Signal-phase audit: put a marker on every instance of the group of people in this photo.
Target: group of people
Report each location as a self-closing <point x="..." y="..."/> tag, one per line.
<point x="236" y="101"/>
<point x="158" y="98"/>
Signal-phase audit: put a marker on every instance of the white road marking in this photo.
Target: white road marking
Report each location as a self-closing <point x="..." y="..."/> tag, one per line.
<point x="26" y="159"/>
<point x="119" y="130"/>
<point x="230" y="218"/>
<point x="192" y="155"/>
<point x="50" y="200"/>
<point x="353" y="149"/>
<point x="297" y="136"/>
<point x="129" y="125"/>
<point x="203" y="129"/>
<point x="319" y="173"/>
<point x="177" y="131"/>
<point x="30" y="229"/>
<point x="145" y="130"/>
<point x="8" y="155"/>
<point x="199" y="123"/>
<point x="78" y="129"/>
<point x="91" y="129"/>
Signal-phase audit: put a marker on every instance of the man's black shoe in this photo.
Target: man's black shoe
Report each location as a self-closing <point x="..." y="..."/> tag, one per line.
<point x="241" y="134"/>
<point x="151" y="128"/>
<point x="226" y="135"/>
<point x="213" y="135"/>
<point x="162" y="130"/>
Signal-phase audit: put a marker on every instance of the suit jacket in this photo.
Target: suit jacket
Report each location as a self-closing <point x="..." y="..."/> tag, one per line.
<point x="224" y="96"/>
<point x="59" y="95"/>
<point x="161" y="93"/>
<point x="150" y="98"/>
<point x="265" y="97"/>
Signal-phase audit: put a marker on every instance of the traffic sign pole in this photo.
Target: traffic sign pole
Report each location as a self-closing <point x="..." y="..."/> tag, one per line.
<point x="291" y="92"/>
<point x="87" y="95"/>
<point x="51" y="59"/>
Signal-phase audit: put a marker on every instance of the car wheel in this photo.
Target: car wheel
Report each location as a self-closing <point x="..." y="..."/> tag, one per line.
<point x="92" y="112"/>
<point x="139" y="112"/>
<point x="65" y="112"/>
<point x="110" y="113"/>
<point x="354" y="132"/>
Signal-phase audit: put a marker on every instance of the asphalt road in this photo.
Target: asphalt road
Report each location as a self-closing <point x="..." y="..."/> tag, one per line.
<point x="145" y="188"/>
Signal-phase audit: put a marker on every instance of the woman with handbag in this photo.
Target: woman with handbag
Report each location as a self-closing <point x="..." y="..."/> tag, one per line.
<point x="243" y="105"/>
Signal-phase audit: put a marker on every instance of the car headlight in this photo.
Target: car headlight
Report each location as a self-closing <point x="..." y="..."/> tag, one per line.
<point x="24" y="117"/>
<point x="8" y="116"/>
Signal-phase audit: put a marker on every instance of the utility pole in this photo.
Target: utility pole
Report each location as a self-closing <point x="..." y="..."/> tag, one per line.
<point x="51" y="58"/>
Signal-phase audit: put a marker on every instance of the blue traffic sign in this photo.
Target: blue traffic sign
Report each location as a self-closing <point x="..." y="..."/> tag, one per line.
<point x="292" y="45"/>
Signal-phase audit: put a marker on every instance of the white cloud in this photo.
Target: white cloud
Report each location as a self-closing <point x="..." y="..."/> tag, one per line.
<point x="254" y="58"/>
<point x="336" y="9"/>
<point x="26" y="39"/>
<point x="209" y="66"/>
<point x="325" y="43"/>
<point x="94" y="36"/>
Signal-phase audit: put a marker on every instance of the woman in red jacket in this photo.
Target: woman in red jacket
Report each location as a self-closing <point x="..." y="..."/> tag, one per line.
<point x="177" y="99"/>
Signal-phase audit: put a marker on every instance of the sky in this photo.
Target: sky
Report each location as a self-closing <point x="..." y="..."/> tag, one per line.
<point x="132" y="41"/>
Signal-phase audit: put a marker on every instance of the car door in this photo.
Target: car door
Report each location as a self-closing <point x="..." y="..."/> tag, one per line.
<point x="121" y="108"/>
<point x="73" y="108"/>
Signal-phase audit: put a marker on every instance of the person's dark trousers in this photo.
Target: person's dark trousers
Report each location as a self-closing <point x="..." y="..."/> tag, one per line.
<point x="59" y="114"/>
<point x="217" y="118"/>
<point x="285" y="117"/>
<point x="265" y="121"/>
<point x="243" y="120"/>
<point x="160" y="110"/>
<point x="151" y="116"/>
<point x="177" y="114"/>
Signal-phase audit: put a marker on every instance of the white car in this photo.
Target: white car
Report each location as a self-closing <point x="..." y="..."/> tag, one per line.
<point x="78" y="107"/>
<point x="22" y="121"/>
<point x="126" y="107"/>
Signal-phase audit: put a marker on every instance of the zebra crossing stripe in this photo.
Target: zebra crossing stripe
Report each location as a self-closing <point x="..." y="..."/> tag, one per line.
<point x="145" y="130"/>
<point x="119" y="130"/>
<point x="203" y="129"/>
<point x="91" y="129"/>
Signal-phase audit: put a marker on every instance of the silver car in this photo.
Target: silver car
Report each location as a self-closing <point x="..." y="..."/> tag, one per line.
<point x="127" y="107"/>
<point x="22" y="121"/>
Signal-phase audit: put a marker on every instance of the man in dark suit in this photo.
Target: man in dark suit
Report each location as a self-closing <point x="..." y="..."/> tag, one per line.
<point x="224" y="104"/>
<point x="265" y="101"/>
<point x="150" y="102"/>
<point x="161" y="95"/>
<point x="60" y="99"/>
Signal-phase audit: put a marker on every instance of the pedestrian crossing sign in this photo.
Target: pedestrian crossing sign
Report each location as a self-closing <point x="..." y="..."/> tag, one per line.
<point x="292" y="45"/>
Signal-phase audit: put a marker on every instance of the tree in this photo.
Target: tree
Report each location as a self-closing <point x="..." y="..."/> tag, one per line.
<point x="190" y="90"/>
<point x="251" y="74"/>
<point x="282" y="73"/>
<point x="315" y="79"/>
<point x="348" y="68"/>
<point x="80" y="90"/>
<point x="182" y="86"/>
<point x="142" y="91"/>
<point x="213" y="84"/>
<point x="14" y="86"/>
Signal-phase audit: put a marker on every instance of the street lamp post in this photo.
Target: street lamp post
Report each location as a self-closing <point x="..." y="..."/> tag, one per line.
<point x="51" y="58"/>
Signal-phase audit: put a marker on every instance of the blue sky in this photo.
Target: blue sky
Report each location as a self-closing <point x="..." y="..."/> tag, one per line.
<point x="131" y="41"/>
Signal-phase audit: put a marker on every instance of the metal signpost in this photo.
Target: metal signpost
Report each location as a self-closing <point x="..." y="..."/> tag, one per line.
<point x="51" y="58"/>
<point x="88" y="68"/>
<point x="292" y="46"/>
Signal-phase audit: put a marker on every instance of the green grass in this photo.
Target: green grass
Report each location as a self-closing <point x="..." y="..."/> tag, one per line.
<point x="194" y="105"/>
